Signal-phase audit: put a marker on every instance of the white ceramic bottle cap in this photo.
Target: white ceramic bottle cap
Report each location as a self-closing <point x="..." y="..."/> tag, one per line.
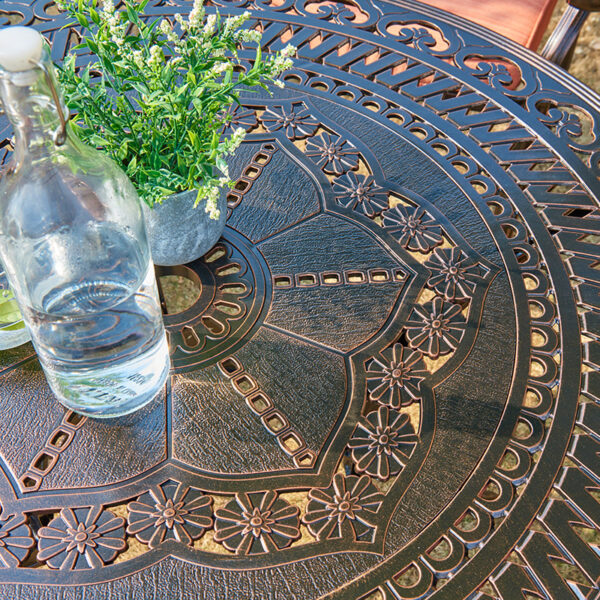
<point x="20" y="48"/>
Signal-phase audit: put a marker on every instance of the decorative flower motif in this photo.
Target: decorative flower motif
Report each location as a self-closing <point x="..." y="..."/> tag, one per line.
<point x="15" y="541"/>
<point x="437" y="327"/>
<point x="241" y="117"/>
<point x="569" y="124"/>
<point x="342" y="13"/>
<point x="170" y="511"/>
<point x="453" y="273"/>
<point x="332" y="153"/>
<point x="382" y="447"/>
<point x="419" y="37"/>
<point x="360" y="192"/>
<point x="346" y="508"/>
<point x="413" y="228"/>
<point x="496" y="73"/>
<point x="499" y="75"/>
<point x="394" y="379"/>
<point x="81" y="538"/>
<point x="255" y="523"/>
<point x="296" y="122"/>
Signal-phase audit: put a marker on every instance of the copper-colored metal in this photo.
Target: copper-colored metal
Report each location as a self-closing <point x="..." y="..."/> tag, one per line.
<point x="523" y="21"/>
<point x="388" y="384"/>
<point x="561" y="44"/>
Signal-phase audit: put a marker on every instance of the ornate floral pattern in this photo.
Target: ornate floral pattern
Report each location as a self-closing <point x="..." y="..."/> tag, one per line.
<point x="81" y="538"/>
<point x="15" y="541"/>
<point x="414" y="228"/>
<point x="539" y="88"/>
<point x="419" y="37"/>
<point x="394" y="378"/>
<point x="453" y="273"/>
<point x="382" y="446"/>
<point x="255" y="523"/>
<point x="297" y="122"/>
<point x="569" y="124"/>
<point x="436" y="327"/>
<point x="240" y="116"/>
<point x="339" y="12"/>
<point x="360" y="192"/>
<point x="496" y="73"/>
<point x="345" y="508"/>
<point x="193" y="338"/>
<point x="331" y="153"/>
<point x="171" y="511"/>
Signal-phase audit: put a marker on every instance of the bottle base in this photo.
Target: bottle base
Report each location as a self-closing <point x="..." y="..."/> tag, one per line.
<point x="113" y="412"/>
<point x="101" y="402"/>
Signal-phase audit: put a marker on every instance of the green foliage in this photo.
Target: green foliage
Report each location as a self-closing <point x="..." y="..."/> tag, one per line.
<point x="9" y="312"/>
<point x="156" y="99"/>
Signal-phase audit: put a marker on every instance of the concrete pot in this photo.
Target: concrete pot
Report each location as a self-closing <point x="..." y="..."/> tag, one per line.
<point x="179" y="233"/>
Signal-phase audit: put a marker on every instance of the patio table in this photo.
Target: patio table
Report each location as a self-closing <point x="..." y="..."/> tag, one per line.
<point x="387" y="386"/>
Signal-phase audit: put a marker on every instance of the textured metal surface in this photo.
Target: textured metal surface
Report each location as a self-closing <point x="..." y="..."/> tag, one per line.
<point x="388" y="386"/>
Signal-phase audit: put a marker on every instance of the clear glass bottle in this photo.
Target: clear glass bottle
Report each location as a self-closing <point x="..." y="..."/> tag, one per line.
<point x="13" y="332"/>
<point x="73" y="243"/>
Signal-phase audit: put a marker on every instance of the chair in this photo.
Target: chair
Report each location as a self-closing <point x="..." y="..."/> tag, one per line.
<point x="561" y="43"/>
<point x="525" y="22"/>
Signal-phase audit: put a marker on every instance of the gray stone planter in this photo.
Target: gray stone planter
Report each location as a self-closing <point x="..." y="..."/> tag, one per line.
<point x="179" y="233"/>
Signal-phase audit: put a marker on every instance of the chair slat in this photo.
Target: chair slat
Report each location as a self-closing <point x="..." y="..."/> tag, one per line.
<point x="523" y="21"/>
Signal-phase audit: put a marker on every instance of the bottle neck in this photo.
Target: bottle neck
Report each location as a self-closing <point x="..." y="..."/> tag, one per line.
<point x="32" y="101"/>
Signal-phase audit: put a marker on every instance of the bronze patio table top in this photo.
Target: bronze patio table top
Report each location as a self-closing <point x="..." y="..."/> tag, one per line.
<point x="388" y="385"/>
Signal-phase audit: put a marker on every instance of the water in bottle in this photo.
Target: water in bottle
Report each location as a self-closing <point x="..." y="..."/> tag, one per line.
<point x="74" y="246"/>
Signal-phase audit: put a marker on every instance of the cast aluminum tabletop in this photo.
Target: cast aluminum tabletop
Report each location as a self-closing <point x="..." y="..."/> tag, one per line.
<point x="388" y="386"/>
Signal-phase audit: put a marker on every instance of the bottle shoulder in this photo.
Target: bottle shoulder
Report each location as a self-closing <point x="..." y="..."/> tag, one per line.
<point x="45" y="193"/>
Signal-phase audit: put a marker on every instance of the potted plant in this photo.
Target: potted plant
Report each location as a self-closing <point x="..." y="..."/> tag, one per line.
<point x="155" y="98"/>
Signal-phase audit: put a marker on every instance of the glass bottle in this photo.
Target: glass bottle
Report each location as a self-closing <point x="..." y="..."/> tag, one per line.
<point x="73" y="243"/>
<point x="13" y="332"/>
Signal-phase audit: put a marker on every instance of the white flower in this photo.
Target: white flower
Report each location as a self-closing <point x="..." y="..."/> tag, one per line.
<point x="212" y="210"/>
<point x="114" y="28"/>
<point x="212" y="192"/>
<point x="167" y="30"/>
<point x="209" y="27"/>
<point x="108" y="7"/>
<point x="112" y="22"/>
<point x="165" y="27"/>
<point x="196" y="14"/>
<point x="156" y="56"/>
<point x="220" y="67"/>
<point x="288" y="51"/>
<point x="278" y="83"/>
<point x="181" y="21"/>
<point x="235" y="22"/>
<point x="282" y="62"/>
<point x="249" y="36"/>
<point x="237" y="137"/>
<point x="230" y="145"/>
<point x="138" y="59"/>
<point x="225" y="171"/>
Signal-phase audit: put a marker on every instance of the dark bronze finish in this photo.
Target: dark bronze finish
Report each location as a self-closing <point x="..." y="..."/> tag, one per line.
<point x="589" y="5"/>
<point x="388" y="386"/>
<point x="561" y="44"/>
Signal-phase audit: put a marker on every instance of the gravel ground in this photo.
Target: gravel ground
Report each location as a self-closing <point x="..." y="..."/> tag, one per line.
<point x="586" y="61"/>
